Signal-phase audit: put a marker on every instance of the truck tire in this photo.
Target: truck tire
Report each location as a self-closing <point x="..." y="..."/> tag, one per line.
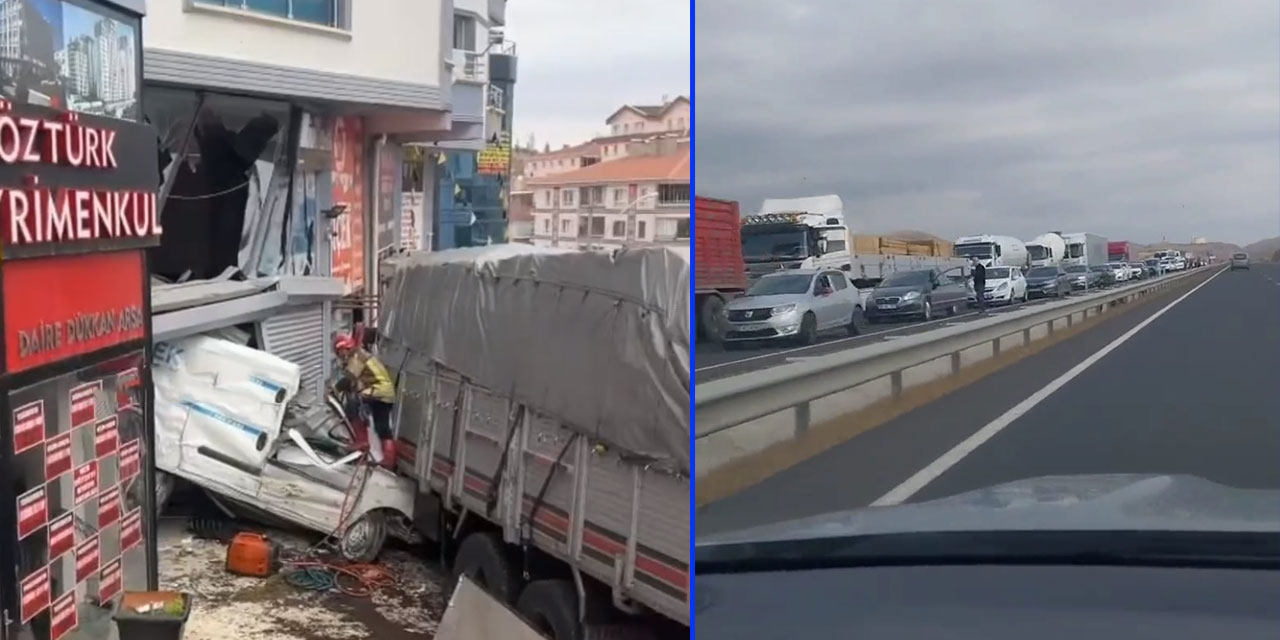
<point x="482" y="557"/>
<point x="711" y="319"/>
<point x="363" y="539"/>
<point x="551" y="606"/>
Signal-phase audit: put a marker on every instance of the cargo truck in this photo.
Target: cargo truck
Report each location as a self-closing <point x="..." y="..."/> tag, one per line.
<point x="719" y="274"/>
<point x="1086" y="249"/>
<point x="542" y="413"/>
<point x="811" y="233"/>
<point x="1121" y="251"/>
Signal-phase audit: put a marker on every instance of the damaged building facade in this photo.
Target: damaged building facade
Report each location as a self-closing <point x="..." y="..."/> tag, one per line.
<point x="283" y="128"/>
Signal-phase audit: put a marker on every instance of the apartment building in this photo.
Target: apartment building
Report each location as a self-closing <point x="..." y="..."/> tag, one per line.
<point x="639" y="199"/>
<point x="473" y="172"/>
<point x="631" y="128"/>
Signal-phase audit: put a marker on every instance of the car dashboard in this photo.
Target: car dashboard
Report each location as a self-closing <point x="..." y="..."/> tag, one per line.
<point x="990" y="602"/>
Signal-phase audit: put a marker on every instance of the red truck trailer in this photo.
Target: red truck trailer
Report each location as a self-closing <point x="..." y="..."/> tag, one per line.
<point x="719" y="272"/>
<point x="1122" y="251"/>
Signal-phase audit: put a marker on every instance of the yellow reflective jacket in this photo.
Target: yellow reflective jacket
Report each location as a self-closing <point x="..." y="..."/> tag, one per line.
<point x="372" y="378"/>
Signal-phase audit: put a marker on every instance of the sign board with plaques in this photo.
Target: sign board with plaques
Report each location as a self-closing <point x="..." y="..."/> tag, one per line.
<point x="79" y="174"/>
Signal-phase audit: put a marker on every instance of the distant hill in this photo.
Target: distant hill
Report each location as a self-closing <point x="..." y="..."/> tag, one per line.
<point x="1264" y="249"/>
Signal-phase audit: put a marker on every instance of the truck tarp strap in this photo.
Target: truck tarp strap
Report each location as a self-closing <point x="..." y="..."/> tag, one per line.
<point x="526" y="530"/>
<point x="491" y="497"/>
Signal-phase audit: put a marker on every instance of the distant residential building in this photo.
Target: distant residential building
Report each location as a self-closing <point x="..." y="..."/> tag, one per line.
<point x="632" y="130"/>
<point x="640" y="199"/>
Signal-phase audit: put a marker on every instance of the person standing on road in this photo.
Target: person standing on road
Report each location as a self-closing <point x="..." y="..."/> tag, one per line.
<point x="979" y="283"/>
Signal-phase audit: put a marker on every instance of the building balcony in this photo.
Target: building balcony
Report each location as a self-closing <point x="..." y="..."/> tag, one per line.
<point x="470" y="66"/>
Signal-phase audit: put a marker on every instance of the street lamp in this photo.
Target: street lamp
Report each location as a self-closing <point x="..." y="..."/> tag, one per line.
<point x="630" y="210"/>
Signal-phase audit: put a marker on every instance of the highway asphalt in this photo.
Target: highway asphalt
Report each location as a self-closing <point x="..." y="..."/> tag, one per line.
<point x="1194" y="391"/>
<point x="713" y="361"/>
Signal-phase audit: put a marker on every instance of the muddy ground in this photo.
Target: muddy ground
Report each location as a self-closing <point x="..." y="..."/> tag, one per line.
<point x="229" y="606"/>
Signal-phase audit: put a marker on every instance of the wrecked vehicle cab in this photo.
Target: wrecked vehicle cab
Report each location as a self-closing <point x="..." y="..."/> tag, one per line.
<point x="232" y="420"/>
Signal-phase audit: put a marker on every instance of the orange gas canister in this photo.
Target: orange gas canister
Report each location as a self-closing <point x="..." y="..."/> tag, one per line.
<point x="252" y="554"/>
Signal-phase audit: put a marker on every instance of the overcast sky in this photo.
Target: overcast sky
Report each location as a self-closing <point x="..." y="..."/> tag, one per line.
<point x="582" y="59"/>
<point x="1135" y="119"/>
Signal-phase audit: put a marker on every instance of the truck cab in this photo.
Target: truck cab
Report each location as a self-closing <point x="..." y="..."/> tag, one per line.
<point x="793" y="240"/>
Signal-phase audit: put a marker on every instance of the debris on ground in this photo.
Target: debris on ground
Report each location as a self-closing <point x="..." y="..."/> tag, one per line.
<point x="226" y="605"/>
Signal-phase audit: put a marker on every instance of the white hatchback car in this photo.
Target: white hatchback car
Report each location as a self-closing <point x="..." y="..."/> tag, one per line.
<point x="1005" y="285"/>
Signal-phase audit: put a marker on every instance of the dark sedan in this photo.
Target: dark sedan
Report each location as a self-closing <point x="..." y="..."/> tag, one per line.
<point x="917" y="294"/>
<point x="1047" y="282"/>
<point x="1082" y="277"/>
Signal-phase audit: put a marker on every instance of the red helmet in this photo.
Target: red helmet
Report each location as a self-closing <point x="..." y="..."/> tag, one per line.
<point x="343" y="342"/>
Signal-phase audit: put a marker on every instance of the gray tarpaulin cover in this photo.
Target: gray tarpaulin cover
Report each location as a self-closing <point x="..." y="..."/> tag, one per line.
<point x="597" y="340"/>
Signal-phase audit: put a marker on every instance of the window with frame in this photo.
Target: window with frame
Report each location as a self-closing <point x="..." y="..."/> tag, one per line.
<point x="591" y="196"/>
<point x="620" y="197"/>
<point x="682" y="228"/>
<point x="327" y="13"/>
<point x="597" y="226"/>
<point x="640" y="230"/>
<point x="464" y="33"/>
<point x="566" y="197"/>
<point x="673" y="194"/>
<point x="619" y="229"/>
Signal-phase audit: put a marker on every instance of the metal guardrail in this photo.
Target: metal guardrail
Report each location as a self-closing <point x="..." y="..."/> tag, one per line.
<point x="729" y="402"/>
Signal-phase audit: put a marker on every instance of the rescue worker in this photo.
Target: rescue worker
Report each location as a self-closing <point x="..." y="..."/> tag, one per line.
<point x="375" y="388"/>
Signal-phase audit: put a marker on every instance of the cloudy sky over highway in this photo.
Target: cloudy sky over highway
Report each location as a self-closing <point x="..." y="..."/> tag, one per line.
<point x="1136" y="120"/>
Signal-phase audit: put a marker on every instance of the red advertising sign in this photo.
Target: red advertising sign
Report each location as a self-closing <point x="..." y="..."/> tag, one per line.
<point x="86" y="481"/>
<point x="28" y="426"/>
<point x="84" y="405"/>
<point x="87" y="557"/>
<point x="62" y="536"/>
<point x="110" y="581"/>
<point x="348" y="189"/>
<point x="65" y="616"/>
<point x="131" y="530"/>
<point x="57" y="456"/>
<point x="106" y="437"/>
<point x="126" y="382"/>
<point x="86" y="303"/>
<point x="35" y="594"/>
<point x="33" y="511"/>
<point x="109" y="506"/>
<point x="130" y="459"/>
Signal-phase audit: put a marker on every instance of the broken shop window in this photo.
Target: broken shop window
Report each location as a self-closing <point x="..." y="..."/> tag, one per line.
<point x="224" y="185"/>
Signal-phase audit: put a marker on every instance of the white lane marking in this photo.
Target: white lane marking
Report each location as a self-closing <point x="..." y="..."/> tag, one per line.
<point x="915" y="483"/>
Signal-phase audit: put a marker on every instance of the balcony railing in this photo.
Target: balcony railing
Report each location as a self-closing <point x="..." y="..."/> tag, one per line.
<point x="470" y="66"/>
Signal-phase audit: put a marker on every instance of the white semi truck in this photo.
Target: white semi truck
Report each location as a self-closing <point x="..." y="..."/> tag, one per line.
<point x="1046" y="250"/>
<point x="543" y="414"/>
<point x="1088" y="249"/>
<point x="992" y="251"/>
<point x="812" y="233"/>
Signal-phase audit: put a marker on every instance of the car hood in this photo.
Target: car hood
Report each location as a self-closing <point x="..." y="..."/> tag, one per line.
<point x="764" y="302"/>
<point x="880" y="292"/>
<point x="1129" y="502"/>
<point x="1041" y="279"/>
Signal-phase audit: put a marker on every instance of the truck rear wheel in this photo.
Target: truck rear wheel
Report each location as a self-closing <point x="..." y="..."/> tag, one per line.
<point x="711" y="322"/>
<point x="483" y="559"/>
<point x="551" y="606"/>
